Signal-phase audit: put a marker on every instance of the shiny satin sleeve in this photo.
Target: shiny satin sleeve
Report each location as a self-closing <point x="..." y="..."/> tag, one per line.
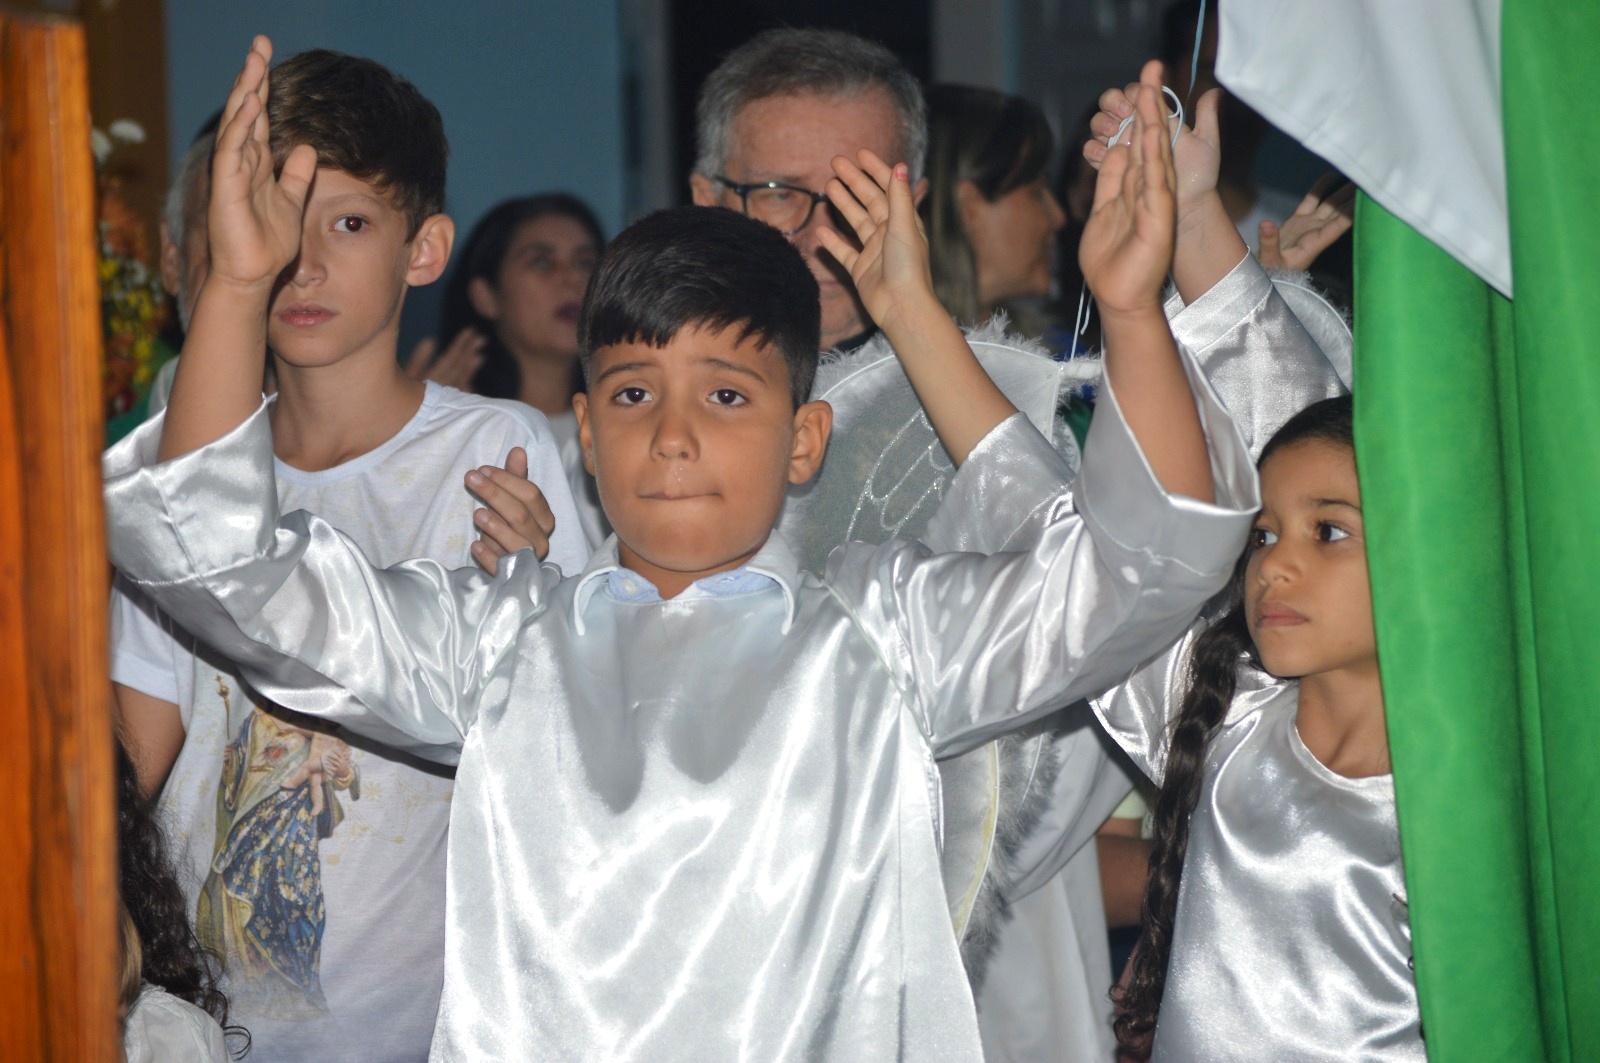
<point x="1260" y="358"/>
<point x="1137" y="713"/>
<point x="402" y="655"/>
<point x="981" y="644"/>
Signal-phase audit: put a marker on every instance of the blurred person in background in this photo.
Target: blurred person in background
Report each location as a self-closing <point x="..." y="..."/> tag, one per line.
<point x="512" y="307"/>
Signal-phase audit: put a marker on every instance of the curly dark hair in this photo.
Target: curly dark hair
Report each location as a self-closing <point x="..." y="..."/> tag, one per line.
<point x="170" y="955"/>
<point x="1214" y="663"/>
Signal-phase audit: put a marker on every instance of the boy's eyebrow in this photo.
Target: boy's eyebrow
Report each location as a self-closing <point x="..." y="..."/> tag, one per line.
<point x="351" y="197"/>
<point x="623" y="367"/>
<point x="734" y="367"/>
<point x="1323" y="502"/>
<point x="715" y="363"/>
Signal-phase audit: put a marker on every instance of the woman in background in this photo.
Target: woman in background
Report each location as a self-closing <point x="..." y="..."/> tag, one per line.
<point x="518" y="285"/>
<point x="990" y="214"/>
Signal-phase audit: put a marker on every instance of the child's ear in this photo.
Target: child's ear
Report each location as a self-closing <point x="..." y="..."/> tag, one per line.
<point x="430" y="250"/>
<point x="813" y="423"/>
<point x="171" y="264"/>
<point x="580" y="410"/>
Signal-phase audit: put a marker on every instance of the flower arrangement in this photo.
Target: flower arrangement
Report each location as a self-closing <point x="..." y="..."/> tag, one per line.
<point x="133" y="305"/>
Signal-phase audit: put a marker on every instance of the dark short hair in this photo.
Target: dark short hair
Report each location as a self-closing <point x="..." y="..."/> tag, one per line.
<point x="363" y="120"/>
<point x="484" y="255"/>
<point x="998" y="142"/>
<point x="711" y="268"/>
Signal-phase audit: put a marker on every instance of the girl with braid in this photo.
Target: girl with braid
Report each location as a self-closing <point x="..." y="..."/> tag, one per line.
<point x="1275" y="922"/>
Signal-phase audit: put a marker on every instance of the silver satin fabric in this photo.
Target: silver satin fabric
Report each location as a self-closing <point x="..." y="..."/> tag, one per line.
<point x="701" y="828"/>
<point x="1291" y="939"/>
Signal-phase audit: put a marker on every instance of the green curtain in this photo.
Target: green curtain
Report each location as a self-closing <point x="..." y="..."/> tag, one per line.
<point x="1478" y="443"/>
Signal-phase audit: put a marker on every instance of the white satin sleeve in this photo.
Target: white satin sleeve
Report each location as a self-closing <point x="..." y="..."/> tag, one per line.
<point x="982" y="644"/>
<point x="1138" y="712"/>
<point x="1264" y="363"/>
<point x="402" y="655"/>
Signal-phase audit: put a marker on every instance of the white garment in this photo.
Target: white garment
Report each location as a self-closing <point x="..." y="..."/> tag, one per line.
<point x="1404" y="98"/>
<point x="162" y="1028"/>
<point x="701" y="828"/>
<point x="375" y="835"/>
<point x="1291" y="939"/>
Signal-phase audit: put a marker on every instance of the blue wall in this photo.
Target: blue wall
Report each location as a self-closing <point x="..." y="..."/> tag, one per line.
<point x="531" y="93"/>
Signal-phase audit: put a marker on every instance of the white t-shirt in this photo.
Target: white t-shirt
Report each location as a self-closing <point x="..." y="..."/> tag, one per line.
<point x="314" y="860"/>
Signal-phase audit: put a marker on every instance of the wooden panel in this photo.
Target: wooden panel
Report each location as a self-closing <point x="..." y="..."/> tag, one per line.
<point x="58" y="943"/>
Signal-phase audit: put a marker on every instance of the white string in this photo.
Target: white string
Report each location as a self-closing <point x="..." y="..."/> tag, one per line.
<point x="1177" y="113"/>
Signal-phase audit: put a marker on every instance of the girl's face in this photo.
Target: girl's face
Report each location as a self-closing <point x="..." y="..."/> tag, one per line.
<point x="536" y="300"/>
<point x="1307" y="600"/>
<point x="1012" y="239"/>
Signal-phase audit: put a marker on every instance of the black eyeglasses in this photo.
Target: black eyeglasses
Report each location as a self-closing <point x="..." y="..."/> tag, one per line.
<point x="787" y="208"/>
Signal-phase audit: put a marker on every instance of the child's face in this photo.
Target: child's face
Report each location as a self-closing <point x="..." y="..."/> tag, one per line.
<point x="1308" y="603"/>
<point x="692" y="446"/>
<point x="342" y="295"/>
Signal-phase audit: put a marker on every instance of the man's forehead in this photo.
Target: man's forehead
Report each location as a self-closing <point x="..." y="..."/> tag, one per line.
<point x="796" y="135"/>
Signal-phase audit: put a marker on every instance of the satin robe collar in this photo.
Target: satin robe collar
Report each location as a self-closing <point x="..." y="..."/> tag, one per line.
<point x="775" y="560"/>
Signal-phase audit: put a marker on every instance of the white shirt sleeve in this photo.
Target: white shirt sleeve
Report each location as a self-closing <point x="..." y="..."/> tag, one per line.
<point x="142" y="644"/>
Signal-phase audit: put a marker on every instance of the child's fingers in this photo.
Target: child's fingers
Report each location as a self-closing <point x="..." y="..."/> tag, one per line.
<point x="1113" y="169"/>
<point x="513" y="497"/>
<point x="294" y="180"/>
<point x="1115" y="104"/>
<point x="839" y="248"/>
<point x="880" y="172"/>
<point x="900" y="202"/>
<point x="504" y="537"/>
<point x="486" y="554"/>
<point x="517" y="462"/>
<point x="848" y="206"/>
<point x="868" y="190"/>
<point x="1205" y="116"/>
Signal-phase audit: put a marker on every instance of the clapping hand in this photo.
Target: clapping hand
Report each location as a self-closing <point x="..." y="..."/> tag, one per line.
<point x="1127" y="244"/>
<point x="517" y="516"/>
<point x="890" y="270"/>
<point x="1319" y="220"/>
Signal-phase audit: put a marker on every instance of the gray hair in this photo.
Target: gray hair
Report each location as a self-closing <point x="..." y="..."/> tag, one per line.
<point x="193" y="171"/>
<point x="805" y="62"/>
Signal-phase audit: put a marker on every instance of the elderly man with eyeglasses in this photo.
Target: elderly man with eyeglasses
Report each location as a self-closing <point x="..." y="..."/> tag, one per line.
<point x="771" y="118"/>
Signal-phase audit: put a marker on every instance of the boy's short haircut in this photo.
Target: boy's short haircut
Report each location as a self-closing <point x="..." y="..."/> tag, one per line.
<point x="363" y="120"/>
<point x="706" y="267"/>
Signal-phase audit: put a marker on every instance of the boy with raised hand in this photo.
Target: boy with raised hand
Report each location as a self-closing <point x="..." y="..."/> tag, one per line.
<point x="694" y="815"/>
<point x="314" y="860"/>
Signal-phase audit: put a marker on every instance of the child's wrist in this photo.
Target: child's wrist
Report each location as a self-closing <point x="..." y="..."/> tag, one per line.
<point x="1200" y="211"/>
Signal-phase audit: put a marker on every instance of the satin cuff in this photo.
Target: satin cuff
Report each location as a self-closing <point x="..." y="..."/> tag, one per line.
<point x="157" y="538"/>
<point x="1119" y="495"/>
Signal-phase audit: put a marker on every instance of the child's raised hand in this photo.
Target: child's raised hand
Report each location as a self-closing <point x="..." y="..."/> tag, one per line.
<point x="1197" y="156"/>
<point x="1126" y="249"/>
<point x="1319" y="220"/>
<point x="254" y="217"/>
<point x="517" y="517"/>
<point x="890" y="270"/>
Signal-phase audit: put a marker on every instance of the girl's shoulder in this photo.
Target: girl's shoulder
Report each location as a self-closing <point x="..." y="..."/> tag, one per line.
<point x="162" y="1028"/>
<point x="1257" y="692"/>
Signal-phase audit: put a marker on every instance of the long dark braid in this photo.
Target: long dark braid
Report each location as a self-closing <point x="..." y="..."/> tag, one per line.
<point x="1214" y="662"/>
